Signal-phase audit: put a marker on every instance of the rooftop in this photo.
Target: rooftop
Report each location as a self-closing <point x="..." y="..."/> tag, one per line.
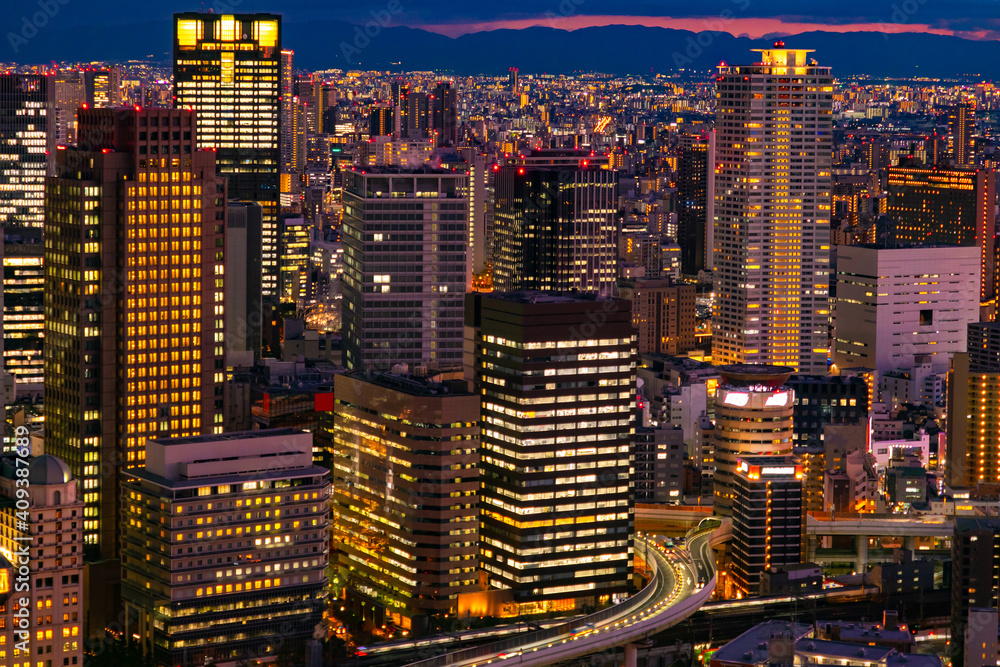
<point x="226" y="437"/>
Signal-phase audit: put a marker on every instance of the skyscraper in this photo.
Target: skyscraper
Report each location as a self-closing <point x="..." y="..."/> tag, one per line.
<point x="406" y="491"/>
<point x="405" y="267"/>
<point x="753" y="417"/>
<point x="134" y="299"/>
<point x="555" y="225"/>
<point x="767" y="518"/>
<point x="663" y="313"/>
<point x="557" y="376"/>
<point x="227" y="68"/>
<point x="23" y="306"/>
<point x="772" y="211"/>
<point x="948" y="206"/>
<point x="253" y="500"/>
<point x="974" y="409"/>
<point x="444" y="115"/>
<point x="961" y="126"/>
<point x="103" y="87"/>
<point x="380" y="121"/>
<point x="27" y="146"/>
<point x="695" y="200"/>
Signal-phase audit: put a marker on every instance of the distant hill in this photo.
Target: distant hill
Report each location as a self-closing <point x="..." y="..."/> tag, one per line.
<point x="616" y="49"/>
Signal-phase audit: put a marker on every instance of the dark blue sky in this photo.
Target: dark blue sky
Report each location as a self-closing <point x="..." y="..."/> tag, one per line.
<point x="967" y="18"/>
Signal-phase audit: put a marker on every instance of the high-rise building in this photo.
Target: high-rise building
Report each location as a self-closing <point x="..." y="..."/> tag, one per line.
<point x="70" y="95"/>
<point x="557" y="376"/>
<point x="948" y="206"/>
<point x="981" y="638"/>
<point x="821" y="400"/>
<point x="406" y="492"/>
<point x="103" y="87"/>
<point x="767" y="519"/>
<point x="51" y="539"/>
<point x="555" y="224"/>
<point x="134" y="299"/>
<point x="513" y="80"/>
<point x="294" y="233"/>
<point x="255" y="504"/>
<point x="405" y="234"/>
<point x="961" y="127"/>
<point x="772" y="211"/>
<point x="381" y="121"/>
<point x="444" y="115"/>
<point x="897" y="303"/>
<point x="27" y="146"/>
<point x="753" y="417"/>
<point x="975" y="547"/>
<point x="23" y="302"/>
<point x="244" y="310"/>
<point x="663" y="313"/>
<point x="227" y="68"/>
<point x="695" y="200"/>
<point x="974" y="409"/>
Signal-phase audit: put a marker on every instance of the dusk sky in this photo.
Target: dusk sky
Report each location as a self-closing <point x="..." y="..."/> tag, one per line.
<point x="980" y="19"/>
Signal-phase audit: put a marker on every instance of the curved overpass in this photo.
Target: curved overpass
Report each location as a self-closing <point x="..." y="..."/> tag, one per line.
<point x="683" y="580"/>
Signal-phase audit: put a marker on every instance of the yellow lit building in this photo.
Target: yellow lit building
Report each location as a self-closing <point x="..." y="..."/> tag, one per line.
<point x="134" y="299"/>
<point x="227" y="68"/>
<point x="772" y="211"/>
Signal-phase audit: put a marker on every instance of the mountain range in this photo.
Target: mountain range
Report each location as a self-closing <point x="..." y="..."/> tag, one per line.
<point x="615" y="49"/>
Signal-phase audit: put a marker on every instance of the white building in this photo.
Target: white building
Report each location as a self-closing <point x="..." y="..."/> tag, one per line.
<point x="895" y="304"/>
<point x="772" y="211"/>
<point x="919" y="446"/>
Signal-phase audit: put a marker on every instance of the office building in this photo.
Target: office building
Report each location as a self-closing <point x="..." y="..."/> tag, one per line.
<point x="895" y="304"/>
<point x="821" y="400"/>
<point x="380" y="121"/>
<point x="947" y="206"/>
<point x="244" y="312"/>
<point x="53" y="537"/>
<point x="961" y="128"/>
<point x="753" y="417"/>
<point x="975" y="546"/>
<point x="69" y="96"/>
<point x="980" y="648"/>
<point x="103" y="87"/>
<point x="555" y="223"/>
<point x="294" y="234"/>
<point x="23" y="307"/>
<point x="813" y="459"/>
<point x="904" y="575"/>
<point x="402" y="442"/>
<point x="405" y="267"/>
<point x="27" y="137"/>
<point x="772" y="215"/>
<point x="974" y="409"/>
<point x="417" y="116"/>
<point x="696" y="200"/>
<point x="223" y="537"/>
<point x="767" y="519"/>
<point x="134" y="299"/>
<point x="659" y="465"/>
<point x="663" y="312"/>
<point x="556" y="528"/>
<point x="444" y="117"/>
<point x="227" y="68"/>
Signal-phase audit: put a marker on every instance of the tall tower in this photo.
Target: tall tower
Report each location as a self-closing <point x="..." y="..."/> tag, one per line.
<point x="27" y="144"/>
<point x="404" y="281"/>
<point x="753" y="417"/>
<point x="555" y="225"/>
<point x="227" y="67"/>
<point x="961" y="126"/>
<point x="772" y="211"/>
<point x="556" y="524"/>
<point x="695" y="160"/>
<point x="134" y="299"/>
<point x="445" y="115"/>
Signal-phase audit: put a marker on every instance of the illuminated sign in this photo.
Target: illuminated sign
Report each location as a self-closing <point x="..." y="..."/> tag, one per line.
<point x="777" y="399"/>
<point x="789" y="470"/>
<point x="743" y="467"/>
<point x="737" y="399"/>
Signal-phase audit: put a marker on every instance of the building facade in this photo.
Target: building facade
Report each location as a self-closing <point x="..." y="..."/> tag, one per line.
<point x="23" y="306"/>
<point x="27" y="134"/>
<point x="557" y="375"/>
<point x="404" y="235"/>
<point x="224" y="541"/>
<point x="134" y="299"/>
<point x="753" y="417"/>
<point x="401" y="443"/>
<point x="663" y="312"/>
<point x="227" y="68"/>
<point x="772" y="211"/>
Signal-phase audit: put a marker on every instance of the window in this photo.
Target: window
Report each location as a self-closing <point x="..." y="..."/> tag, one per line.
<point x="926" y="317"/>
